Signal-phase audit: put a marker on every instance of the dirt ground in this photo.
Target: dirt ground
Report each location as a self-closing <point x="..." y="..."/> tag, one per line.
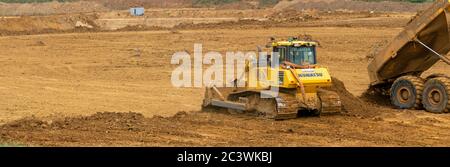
<point x="113" y="89"/>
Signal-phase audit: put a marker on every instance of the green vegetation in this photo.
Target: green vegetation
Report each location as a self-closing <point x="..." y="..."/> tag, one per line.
<point x="268" y="2"/>
<point x="412" y="1"/>
<point x="213" y="2"/>
<point x="418" y="1"/>
<point x="32" y="1"/>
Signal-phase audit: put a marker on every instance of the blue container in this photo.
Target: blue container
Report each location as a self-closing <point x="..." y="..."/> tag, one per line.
<point x="139" y="11"/>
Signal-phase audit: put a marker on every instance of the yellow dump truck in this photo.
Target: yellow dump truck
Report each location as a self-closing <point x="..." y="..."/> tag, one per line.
<point x="397" y="69"/>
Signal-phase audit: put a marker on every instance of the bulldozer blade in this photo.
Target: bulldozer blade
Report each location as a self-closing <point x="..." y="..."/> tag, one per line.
<point x="229" y="105"/>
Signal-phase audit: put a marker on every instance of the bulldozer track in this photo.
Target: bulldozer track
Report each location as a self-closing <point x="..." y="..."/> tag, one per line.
<point x="330" y="101"/>
<point x="287" y="106"/>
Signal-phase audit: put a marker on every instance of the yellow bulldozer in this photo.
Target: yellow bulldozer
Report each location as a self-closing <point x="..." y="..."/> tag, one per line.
<point x="300" y="82"/>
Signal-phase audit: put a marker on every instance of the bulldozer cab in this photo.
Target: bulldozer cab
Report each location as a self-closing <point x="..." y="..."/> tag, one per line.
<point x="302" y="53"/>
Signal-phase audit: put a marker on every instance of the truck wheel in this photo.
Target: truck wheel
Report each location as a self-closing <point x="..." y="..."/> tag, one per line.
<point x="406" y="92"/>
<point x="435" y="95"/>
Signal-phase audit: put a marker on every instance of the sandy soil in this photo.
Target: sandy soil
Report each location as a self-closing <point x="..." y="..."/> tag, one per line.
<point x="193" y="18"/>
<point x="362" y="124"/>
<point x="113" y="89"/>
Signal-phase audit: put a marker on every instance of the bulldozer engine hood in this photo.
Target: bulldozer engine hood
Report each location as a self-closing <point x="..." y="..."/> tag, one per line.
<point x="315" y="76"/>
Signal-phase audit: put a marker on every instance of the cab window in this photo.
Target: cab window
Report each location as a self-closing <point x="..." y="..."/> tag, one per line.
<point x="282" y="52"/>
<point x="304" y="55"/>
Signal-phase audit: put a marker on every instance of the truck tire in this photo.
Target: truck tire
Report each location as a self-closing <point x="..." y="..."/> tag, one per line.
<point x="406" y="92"/>
<point x="435" y="95"/>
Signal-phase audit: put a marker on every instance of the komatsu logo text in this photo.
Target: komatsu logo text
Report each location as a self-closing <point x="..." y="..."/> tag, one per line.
<point x="311" y="75"/>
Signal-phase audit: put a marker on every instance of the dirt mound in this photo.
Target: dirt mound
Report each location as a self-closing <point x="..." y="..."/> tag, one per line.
<point x="55" y="7"/>
<point x="350" y="5"/>
<point x="140" y="28"/>
<point x="213" y="129"/>
<point x="240" y="24"/>
<point x="353" y="106"/>
<point x="193" y="128"/>
<point x="307" y="18"/>
<point x="124" y="4"/>
<point x="356" y="127"/>
<point x="26" y="25"/>
<point x="240" y="5"/>
<point x="104" y="120"/>
<point x="123" y="127"/>
<point x="374" y="97"/>
<point x="294" y="16"/>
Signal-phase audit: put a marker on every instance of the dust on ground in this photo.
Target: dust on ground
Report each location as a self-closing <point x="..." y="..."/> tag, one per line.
<point x="196" y="18"/>
<point x="360" y="125"/>
<point x="351" y="5"/>
<point x="70" y="85"/>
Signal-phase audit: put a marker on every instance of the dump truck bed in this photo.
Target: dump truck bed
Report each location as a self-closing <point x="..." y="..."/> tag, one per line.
<point x="405" y="55"/>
